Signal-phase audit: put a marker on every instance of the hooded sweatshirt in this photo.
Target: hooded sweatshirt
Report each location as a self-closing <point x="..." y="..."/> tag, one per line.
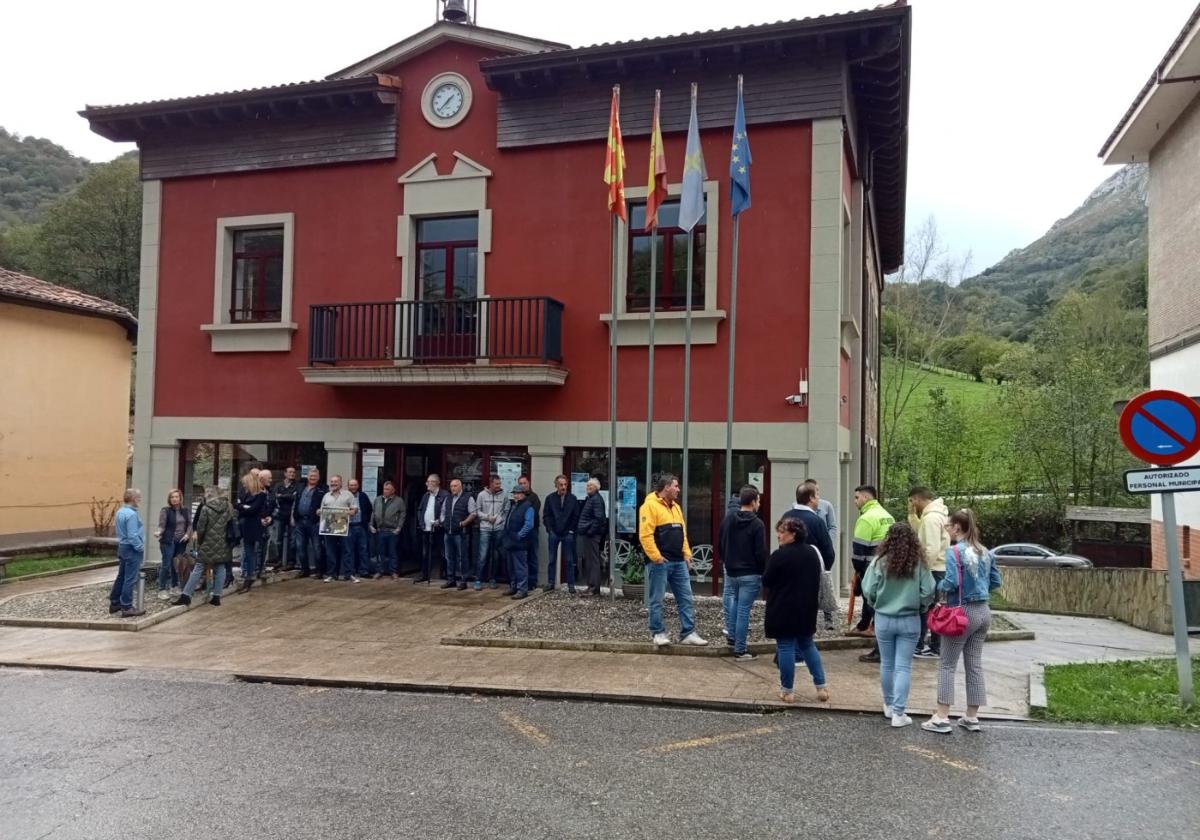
<point x="742" y="544"/>
<point x="931" y="533"/>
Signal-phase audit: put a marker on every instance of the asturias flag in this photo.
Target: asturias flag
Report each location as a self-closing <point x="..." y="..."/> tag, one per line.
<point x="656" y="188"/>
<point x="739" y="160"/>
<point x="691" y="198"/>
<point x="614" y="159"/>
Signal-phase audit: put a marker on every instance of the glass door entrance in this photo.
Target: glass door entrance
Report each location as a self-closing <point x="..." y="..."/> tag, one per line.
<point x="447" y="288"/>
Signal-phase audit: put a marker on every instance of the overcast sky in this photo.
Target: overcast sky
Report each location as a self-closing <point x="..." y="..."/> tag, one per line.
<point x="1011" y="100"/>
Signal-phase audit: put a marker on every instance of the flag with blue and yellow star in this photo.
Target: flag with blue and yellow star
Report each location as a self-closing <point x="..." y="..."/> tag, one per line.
<point x="739" y="160"/>
<point x="691" y="196"/>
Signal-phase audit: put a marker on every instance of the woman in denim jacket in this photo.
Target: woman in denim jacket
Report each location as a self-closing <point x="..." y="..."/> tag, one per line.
<point x="971" y="574"/>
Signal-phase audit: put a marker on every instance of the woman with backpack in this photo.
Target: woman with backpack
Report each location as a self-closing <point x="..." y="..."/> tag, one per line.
<point x="971" y="575"/>
<point x="898" y="585"/>
<point x="793" y="583"/>
<point x="213" y="548"/>
<point x="174" y="531"/>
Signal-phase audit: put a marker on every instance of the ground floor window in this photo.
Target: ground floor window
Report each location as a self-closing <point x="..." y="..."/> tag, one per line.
<point x="706" y="479"/>
<point x="209" y="463"/>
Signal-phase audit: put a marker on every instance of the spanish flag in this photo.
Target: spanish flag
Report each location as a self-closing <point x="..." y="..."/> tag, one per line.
<point x="614" y="159"/>
<point x="656" y="188"/>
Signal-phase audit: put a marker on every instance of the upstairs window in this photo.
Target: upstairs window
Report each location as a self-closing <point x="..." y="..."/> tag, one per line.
<point x="256" y="295"/>
<point x="671" y="260"/>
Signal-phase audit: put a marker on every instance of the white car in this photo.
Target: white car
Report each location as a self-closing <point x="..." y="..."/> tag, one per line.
<point x="1032" y="554"/>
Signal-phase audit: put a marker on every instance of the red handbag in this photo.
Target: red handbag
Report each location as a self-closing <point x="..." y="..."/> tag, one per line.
<point x="946" y="620"/>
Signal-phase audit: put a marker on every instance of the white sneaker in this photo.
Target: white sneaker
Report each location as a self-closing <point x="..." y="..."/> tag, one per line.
<point x="661" y="639"/>
<point x="901" y="720"/>
<point x="693" y="638"/>
<point x="887" y="712"/>
<point x="353" y="579"/>
<point x="969" y="724"/>
<point x="164" y="595"/>
<point x="326" y="579"/>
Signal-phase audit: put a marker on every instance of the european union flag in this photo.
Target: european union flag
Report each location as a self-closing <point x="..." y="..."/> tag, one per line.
<point x="739" y="160"/>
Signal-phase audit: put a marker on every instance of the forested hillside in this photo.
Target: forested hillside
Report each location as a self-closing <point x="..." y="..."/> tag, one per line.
<point x="34" y="173"/>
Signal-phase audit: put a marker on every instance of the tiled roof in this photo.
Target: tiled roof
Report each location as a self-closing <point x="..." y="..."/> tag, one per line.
<point x="21" y="288"/>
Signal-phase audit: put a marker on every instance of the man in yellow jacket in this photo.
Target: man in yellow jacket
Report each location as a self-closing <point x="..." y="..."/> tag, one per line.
<point x="663" y="535"/>
<point x="928" y="517"/>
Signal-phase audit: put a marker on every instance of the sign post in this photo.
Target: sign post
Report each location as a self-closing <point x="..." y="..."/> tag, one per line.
<point x="1163" y="427"/>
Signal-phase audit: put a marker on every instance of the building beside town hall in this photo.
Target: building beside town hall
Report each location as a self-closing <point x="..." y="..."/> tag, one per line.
<point x="1162" y="126"/>
<point x="404" y="268"/>
<point x="64" y="415"/>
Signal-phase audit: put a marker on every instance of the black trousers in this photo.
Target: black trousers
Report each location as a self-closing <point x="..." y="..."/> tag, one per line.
<point x="433" y="552"/>
<point x="935" y="641"/>
<point x="866" y="611"/>
<point x="589" y="549"/>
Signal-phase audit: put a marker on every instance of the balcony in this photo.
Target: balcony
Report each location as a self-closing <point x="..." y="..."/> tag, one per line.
<point x="492" y="341"/>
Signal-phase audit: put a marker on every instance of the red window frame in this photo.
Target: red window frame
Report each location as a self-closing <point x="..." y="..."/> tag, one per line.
<point x="259" y="311"/>
<point x="664" y="289"/>
<point x="448" y="247"/>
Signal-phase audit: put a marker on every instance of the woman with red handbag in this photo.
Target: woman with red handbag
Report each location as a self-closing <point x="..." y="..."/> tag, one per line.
<point x="963" y="622"/>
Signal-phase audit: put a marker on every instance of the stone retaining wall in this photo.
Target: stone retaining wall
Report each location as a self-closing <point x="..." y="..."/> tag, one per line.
<point x="1134" y="596"/>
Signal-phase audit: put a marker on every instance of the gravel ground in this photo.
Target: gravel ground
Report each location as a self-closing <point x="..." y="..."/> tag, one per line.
<point x="558" y="615"/>
<point x="82" y="603"/>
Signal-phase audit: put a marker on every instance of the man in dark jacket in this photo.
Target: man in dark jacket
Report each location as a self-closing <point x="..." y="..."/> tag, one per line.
<point x="279" y="551"/>
<point x="429" y="524"/>
<point x="742" y="550"/>
<point x="517" y="529"/>
<point x="306" y="520"/>
<point x="360" y="524"/>
<point x="807" y="510"/>
<point x="562" y="518"/>
<point x="591" y="530"/>
<point x="532" y="548"/>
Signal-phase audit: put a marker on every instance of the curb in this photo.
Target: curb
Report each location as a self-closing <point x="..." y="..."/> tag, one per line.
<point x="712" y="650"/>
<point x="1037" y="691"/>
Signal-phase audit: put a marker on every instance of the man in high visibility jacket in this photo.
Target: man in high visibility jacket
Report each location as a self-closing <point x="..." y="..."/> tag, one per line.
<point x="870" y="529"/>
<point x="663" y="535"/>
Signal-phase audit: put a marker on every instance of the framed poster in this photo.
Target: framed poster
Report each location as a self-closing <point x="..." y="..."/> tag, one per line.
<point x="579" y="482"/>
<point x="335" y="522"/>
<point x="509" y="472"/>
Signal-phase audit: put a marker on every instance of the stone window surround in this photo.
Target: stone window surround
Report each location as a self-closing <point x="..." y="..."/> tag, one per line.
<point x="266" y="337"/>
<point x="633" y="328"/>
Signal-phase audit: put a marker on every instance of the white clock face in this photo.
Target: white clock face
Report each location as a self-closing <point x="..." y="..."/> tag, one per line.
<point x="447" y="100"/>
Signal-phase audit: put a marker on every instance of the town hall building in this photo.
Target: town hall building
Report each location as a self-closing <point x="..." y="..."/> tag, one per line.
<point x="405" y="267"/>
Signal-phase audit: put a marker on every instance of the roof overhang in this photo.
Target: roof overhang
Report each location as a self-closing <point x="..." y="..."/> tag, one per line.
<point x="122" y="317"/>
<point x="1165" y="96"/>
<point x="133" y="122"/>
<point x="440" y="32"/>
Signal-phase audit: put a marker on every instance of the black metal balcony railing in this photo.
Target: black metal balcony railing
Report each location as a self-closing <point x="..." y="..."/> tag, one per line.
<point x="527" y="329"/>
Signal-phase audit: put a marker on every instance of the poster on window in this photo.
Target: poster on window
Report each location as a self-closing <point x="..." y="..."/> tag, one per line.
<point x="335" y="522"/>
<point x="372" y="460"/>
<point x="579" y="482"/>
<point x="305" y="469"/>
<point x="509" y="472"/>
<point x="627" y="504"/>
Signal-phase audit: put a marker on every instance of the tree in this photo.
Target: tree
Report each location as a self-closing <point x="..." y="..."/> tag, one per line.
<point x="91" y="240"/>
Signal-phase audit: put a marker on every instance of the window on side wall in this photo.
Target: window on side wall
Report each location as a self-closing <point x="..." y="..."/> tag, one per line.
<point x="257" y="276"/>
<point x="670" y="270"/>
<point x="252" y="284"/>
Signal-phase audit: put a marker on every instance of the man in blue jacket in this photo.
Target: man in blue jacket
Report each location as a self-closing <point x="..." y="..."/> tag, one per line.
<point x="516" y="542"/>
<point x="360" y="541"/>
<point x="561" y="515"/>
<point x="306" y="519"/>
<point x="131" y="546"/>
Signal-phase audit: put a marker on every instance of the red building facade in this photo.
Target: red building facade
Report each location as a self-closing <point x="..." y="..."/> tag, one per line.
<point x="405" y="268"/>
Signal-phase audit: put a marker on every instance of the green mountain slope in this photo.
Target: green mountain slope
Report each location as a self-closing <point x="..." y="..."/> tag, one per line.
<point x="34" y="173"/>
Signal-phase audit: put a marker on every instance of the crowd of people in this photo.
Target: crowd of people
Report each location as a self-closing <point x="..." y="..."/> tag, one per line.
<point x="901" y="569"/>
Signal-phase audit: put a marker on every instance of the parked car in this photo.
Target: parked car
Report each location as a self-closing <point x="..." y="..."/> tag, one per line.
<point x="1034" y="555"/>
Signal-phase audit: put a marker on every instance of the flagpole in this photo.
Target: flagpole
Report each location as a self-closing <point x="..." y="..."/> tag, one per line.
<point x="687" y="356"/>
<point x="650" y="387"/>
<point x="733" y="285"/>
<point x="612" y="399"/>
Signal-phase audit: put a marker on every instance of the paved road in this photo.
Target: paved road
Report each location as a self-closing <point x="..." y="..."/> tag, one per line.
<point x="87" y="756"/>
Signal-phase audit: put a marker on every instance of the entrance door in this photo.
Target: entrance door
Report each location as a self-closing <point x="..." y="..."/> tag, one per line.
<point x="447" y="288"/>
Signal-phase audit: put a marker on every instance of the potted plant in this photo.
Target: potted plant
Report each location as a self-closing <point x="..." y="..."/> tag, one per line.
<point x="633" y="574"/>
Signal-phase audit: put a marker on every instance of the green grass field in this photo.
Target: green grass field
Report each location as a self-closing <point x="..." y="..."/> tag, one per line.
<point x="1119" y="692"/>
<point x="33" y="565"/>
<point x="956" y="387"/>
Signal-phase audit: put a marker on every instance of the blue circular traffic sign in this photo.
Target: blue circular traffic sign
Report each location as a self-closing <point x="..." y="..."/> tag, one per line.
<point x="1161" y="427"/>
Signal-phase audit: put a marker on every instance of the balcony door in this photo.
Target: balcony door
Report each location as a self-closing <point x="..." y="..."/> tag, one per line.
<point x="447" y="288"/>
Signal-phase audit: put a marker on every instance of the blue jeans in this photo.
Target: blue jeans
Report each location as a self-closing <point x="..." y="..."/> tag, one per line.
<point x="168" y="575"/>
<point x="568" y="558"/>
<point x="129" y="566"/>
<point x="518" y="569"/>
<point x="197" y="575"/>
<point x="675" y="573"/>
<point x="489" y="549"/>
<point x="249" y="559"/>
<point x="897" y="639"/>
<point x="458" y="565"/>
<point x="307" y="541"/>
<point x="360" y="550"/>
<point x="337" y="553"/>
<point x="389" y="543"/>
<point x="738" y="597"/>
<point x="787" y="649"/>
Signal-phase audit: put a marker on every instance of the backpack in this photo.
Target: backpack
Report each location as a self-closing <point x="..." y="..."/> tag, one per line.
<point x="233" y="533"/>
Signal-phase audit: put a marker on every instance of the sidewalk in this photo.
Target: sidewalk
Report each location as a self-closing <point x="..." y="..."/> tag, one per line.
<point x="388" y="634"/>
